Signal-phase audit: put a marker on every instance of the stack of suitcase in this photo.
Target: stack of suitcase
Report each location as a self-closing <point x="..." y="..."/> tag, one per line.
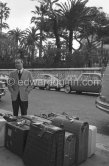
<point x="45" y="145"/>
<point x="80" y="130"/>
<point x="56" y="141"/>
<point x="15" y="137"/>
<point x="16" y="132"/>
<point x="74" y="126"/>
<point x="70" y="138"/>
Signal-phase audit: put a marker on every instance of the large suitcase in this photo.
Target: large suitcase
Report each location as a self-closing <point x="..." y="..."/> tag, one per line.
<point x="92" y="140"/>
<point x="81" y="130"/>
<point x="69" y="149"/>
<point x="45" y="145"/>
<point x="2" y="131"/>
<point x="35" y="118"/>
<point x="15" y="137"/>
<point x="52" y="115"/>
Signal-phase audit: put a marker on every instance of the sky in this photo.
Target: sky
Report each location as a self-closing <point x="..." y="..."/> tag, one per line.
<point x="20" y="13"/>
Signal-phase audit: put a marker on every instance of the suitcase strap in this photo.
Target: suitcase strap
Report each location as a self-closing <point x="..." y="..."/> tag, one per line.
<point x="64" y="114"/>
<point x="42" y="127"/>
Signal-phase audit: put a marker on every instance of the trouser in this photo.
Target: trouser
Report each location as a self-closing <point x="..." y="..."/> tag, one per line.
<point x="22" y="104"/>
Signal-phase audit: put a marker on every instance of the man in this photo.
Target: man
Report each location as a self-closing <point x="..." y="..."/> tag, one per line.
<point x="20" y="84"/>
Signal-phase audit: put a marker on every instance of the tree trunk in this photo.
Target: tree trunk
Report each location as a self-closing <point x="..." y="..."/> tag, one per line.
<point x="41" y="33"/>
<point x="40" y="45"/>
<point x="1" y="17"/>
<point x="70" y="40"/>
<point x="32" y="54"/>
<point x="0" y="25"/>
<point x="58" y="55"/>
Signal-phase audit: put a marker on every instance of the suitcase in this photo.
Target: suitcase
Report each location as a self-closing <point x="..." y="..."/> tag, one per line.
<point x="45" y="145"/>
<point x="15" y="137"/>
<point x="92" y="140"/>
<point x="2" y="131"/>
<point x="9" y="117"/>
<point x="35" y="118"/>
<point x="81" y="130"/>
<point x="69" y="149"/>
<point x="52" y="115"/>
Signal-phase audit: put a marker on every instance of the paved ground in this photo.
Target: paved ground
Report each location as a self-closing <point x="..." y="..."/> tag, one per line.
<point x="101" y="158"/>
<point x="79" y="105"/>
<point x="83" y="106"/>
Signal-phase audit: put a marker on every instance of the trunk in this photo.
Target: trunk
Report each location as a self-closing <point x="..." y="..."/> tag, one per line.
<point x="40" y="45"/>
<point x="89" y="55"/>
<point x="32" y="54"/>
<point x="70" y="40"/>
<point x="101" y="56"/>
<point x="58" y="55"/>
<point x="1" y="17"/>
<point x="89" y="52"/>
<point x="41" y="33"/>
<point x="0" y="25"/>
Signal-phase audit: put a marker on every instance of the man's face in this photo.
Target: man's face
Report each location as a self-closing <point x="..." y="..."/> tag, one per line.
<point x="18" y="64"/>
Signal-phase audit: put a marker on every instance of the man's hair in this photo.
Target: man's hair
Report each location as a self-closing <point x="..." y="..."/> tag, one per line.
<point x="19" y="59"/>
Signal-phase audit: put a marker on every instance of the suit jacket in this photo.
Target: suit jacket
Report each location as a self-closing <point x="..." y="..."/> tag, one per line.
<point x="22" y="86"/>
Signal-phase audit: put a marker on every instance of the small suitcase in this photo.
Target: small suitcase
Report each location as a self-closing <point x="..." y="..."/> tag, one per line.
<point x="45" y="145"/>
<point x="92" y="140"/>
<point x="2" y="131"/>
<point x="69" y="149"/>
<point x="10" y="118"/>
<point x="81" y="130"/>
<point x="15" y="137"/>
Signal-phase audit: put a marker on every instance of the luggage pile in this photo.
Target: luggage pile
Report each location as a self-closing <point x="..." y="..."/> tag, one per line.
<point x="48" y="139"/>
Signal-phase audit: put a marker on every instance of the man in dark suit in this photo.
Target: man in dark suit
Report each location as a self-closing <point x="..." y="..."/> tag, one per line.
<point x="20" y="84"/>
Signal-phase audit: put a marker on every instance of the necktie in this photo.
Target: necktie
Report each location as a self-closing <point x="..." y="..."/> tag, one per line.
<point x="19" y="74"/>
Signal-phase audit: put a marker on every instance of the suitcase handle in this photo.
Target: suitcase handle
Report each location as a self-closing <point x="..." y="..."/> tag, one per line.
<point x="62" y="125"/>
<point x="84" y="126"/>
<point x="70" y="117"/>
<point x="43" y="129"/>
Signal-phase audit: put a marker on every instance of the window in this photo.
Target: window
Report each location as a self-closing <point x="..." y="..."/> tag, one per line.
<point x="47" y="77"/>
<point x="84" y="77"/>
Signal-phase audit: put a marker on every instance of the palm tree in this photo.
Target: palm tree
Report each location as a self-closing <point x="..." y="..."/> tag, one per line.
<point x="91" y="31"/>
<point x="73" y="13"/>
<point x="16" y="35"/>
<point x="39" y="21"/>
<point x="3" y="40"/>
<point x="4" y="14"/>
<point x="53" y="24"/>
<point x="31" y="41"/>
